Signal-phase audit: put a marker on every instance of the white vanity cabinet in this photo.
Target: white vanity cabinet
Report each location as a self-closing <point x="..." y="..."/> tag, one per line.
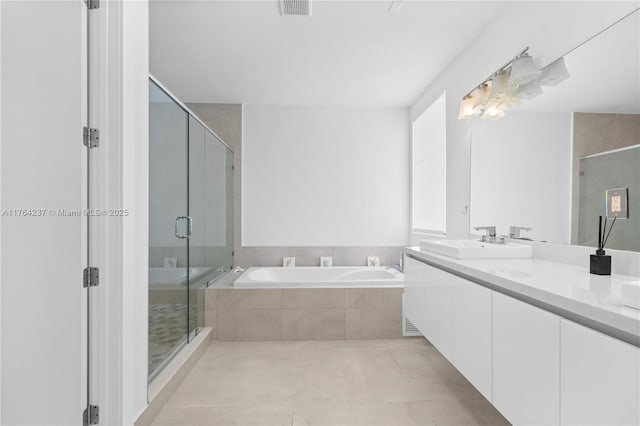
<point x="455" y="316"/>
<point x="600" y="378"/>
<point x="526" y="362"/>
<point x="535" y="366"/>
<point x="472" y="351"/>
<point x="428" y="297"/>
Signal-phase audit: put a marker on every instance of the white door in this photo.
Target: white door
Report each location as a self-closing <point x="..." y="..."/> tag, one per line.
<point x="43" y="186"/>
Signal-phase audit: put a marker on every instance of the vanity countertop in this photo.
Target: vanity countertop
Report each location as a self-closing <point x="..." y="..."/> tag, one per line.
<point x="567" y="290"/>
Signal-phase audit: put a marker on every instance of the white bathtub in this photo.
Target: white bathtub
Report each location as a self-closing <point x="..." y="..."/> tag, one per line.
<point x="174" y="276"/>
<point x="317" y="277"/>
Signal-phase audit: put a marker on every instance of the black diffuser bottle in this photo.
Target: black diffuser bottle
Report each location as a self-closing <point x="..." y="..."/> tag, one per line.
<point x="600" y="263"/>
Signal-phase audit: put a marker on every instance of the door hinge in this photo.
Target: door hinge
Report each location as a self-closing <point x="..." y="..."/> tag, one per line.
<point x="90" y="277"/>
<point x="90" y="137"/>
<point x="92" y="4"/>
<point x="91" y="415"/>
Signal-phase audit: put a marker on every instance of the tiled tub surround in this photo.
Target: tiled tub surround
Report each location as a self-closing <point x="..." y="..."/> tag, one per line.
<point x="304" y="314"/>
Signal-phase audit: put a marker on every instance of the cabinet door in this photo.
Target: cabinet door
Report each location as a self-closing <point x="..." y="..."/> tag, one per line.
<point x="526" y="362"/>
<point x="429" y="303"/>
<point x="472" y="334"/>
<point x="600" y="378"/>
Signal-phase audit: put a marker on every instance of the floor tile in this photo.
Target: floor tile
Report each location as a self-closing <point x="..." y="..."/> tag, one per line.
<point x="258" y="415"/>
<point x="328" y="382"/>
<point x="361" y="414"/>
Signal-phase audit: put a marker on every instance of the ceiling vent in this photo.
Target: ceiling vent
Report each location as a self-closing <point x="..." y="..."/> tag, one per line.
<point x="295" y="7"/>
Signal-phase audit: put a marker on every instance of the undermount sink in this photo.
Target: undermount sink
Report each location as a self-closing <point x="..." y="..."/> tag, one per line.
<point x="474" y="249"/>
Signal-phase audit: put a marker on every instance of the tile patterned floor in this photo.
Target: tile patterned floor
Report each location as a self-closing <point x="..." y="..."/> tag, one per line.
<point x="323" y="383"/>
<point x="167" y="329"/>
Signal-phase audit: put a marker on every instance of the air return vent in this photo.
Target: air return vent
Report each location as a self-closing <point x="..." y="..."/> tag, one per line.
<point x="295" y="7"/>
<point x="409" y="329"/>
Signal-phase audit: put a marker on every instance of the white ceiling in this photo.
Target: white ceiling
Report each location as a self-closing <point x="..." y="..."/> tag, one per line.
<point x="347" y="53"/>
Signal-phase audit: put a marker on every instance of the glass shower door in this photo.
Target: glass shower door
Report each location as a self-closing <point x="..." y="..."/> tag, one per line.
<point x="169" y="225"/>
<point x="190" y="222"/>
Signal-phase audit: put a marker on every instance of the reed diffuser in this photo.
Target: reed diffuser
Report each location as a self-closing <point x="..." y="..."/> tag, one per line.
<point x="600" y="263"/>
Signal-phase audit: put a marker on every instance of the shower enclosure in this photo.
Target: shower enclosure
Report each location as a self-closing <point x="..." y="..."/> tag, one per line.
<point x="190" y="221"/>
<point x="619" y="168"/>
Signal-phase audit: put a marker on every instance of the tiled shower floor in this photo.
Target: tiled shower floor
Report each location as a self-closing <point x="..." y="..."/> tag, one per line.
<point x="352" y="382"/>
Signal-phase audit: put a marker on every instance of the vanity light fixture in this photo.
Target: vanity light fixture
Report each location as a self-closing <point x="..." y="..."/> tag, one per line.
<point x="494" y="111"/>
<point x="481" y="95"/>
<point x="501" y="86"/>
<point x="519" y="79"/>
<point x="475" y="102"/>
<point x="523" y="70"/>
<point x="467" y="109"/>
<point x="510" y="101"/>
<point x="554" y="73"/>
<point x="529" y="91"/>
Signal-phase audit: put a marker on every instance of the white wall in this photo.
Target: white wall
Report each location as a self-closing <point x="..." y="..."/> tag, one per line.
<point x="42" y="167"/>
<point x="535" y="189"/>
<point x="550" y="29"/>
<point x="325" y="176"/>
<point x="135" y="197"/>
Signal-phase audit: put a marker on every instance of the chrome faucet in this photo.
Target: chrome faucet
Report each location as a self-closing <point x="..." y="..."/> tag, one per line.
<point x="491" y="230"/>
<point x="514" y="232"/>
<point x="490" y="236"/>
<point x="400" y="265"/>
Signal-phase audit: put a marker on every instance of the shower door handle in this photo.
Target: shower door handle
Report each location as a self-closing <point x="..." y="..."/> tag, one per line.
<point x="189" y="226"/>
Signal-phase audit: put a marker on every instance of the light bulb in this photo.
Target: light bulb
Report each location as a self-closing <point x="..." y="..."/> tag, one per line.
<point x="494" y="111"/>
<point x="467" y="109"/>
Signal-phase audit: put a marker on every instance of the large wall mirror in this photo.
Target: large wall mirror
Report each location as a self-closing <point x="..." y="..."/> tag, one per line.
<point x="547" y="164"/>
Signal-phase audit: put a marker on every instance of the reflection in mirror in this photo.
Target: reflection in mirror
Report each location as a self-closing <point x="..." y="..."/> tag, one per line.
<point x="547" y="163"/>
<point x="598" y="173"/>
